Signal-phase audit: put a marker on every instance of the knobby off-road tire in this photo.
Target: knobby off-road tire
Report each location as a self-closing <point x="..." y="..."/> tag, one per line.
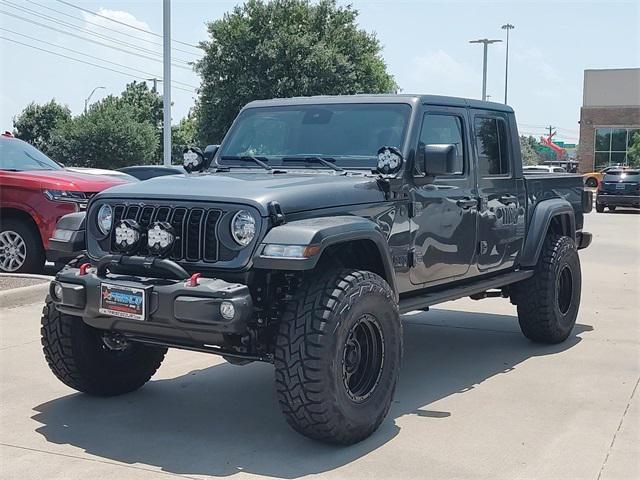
<point x="337" y="356"/>
<point x="548" y="302"/>
<point x="80" y="359"/>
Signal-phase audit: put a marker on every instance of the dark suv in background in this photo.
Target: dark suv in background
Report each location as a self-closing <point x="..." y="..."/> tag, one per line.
<point x="619" y="188"/>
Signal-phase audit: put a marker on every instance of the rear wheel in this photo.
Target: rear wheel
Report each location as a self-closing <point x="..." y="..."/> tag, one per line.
<point x="548" y="302"/>
<point x="612" y="208"/>
<point x="91" y="360"/>
<point x="337" y="356"/>
<point x="21" y="249"/>
<point x="591" y="182"/>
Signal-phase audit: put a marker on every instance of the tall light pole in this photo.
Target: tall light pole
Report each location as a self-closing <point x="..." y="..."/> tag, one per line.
<point x="507" y="27"/>
<point x="486" y="42"/>
<point x="166" y="79"/>
<point x="86" y="100"/>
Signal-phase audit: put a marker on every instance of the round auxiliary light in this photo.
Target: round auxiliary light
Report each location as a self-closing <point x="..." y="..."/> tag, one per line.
<point x="243" y="228"/>
<point x="389" y="160"/>
<point x="105" y="219"/>
<point x="227" y="310"/>
<point x="126" y="236"/>
<point x="160" y="238"/>
<point x="57" y="291"/>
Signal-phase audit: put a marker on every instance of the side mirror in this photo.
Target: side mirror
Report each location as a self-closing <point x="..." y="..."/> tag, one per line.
<point x="441" y="159"/>
<point x="209" y="152"/>
<point x="193" y="159"/>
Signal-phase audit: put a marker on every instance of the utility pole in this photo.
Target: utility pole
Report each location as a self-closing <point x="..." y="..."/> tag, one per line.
<point x="86" y="100"/>
<point x="155" y="81"/>
<point x="551" y="127"/>
<point x="166" y="78"/>
<point x="507" y="27"/>
<point x="486" y="42"/>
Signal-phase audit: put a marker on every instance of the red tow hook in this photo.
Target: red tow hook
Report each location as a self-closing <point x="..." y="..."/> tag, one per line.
<point x="83" y="269"/>
<point x="193" y="280"/>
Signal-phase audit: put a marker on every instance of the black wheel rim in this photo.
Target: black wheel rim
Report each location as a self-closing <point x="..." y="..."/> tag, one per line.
<point x="565" y="289"/>
<point x="363" y="358"/>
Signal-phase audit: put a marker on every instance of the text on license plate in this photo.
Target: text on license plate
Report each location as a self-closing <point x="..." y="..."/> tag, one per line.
<point x="122" y="301"/>
<point x="620" y="186"/>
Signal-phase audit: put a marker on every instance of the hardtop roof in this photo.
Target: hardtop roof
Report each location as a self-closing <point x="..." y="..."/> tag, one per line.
<point x="383" y="98"/>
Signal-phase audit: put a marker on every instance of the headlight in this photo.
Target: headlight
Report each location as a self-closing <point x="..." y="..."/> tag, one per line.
<point x="66" y="196"/>
<point x="243" y="227"/>
<point x="105" y="219"/>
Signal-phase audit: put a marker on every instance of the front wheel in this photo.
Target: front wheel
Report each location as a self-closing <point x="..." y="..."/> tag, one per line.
<point x="548" y="302"/>
<point x="21" y="249"/>
<point x="92" y="361"/>
<point x="591" y="182"/>
<point x="337" y="356"/>
<point x="599" y="207"/>
<point x="612" y="208"/>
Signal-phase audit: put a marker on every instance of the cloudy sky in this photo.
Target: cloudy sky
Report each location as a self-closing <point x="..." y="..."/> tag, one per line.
<point x="425" y="46"/>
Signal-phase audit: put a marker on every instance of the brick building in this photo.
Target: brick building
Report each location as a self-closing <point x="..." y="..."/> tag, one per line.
<point x="609" y="117"/>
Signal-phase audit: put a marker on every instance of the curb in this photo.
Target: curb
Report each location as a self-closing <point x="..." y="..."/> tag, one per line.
<point x="16" y="297"/>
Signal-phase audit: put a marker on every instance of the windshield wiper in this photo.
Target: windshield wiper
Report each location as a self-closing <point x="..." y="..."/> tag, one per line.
<point x="326" y="161"/>
<point x="255" y="160"/>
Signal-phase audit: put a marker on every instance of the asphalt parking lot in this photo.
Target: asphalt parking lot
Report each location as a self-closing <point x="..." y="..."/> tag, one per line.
<point x="475" y="399"/>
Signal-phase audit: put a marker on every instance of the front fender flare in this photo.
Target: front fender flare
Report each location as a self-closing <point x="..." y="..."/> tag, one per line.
<point x="323" y="232"/>
<point x="541" y="219"/>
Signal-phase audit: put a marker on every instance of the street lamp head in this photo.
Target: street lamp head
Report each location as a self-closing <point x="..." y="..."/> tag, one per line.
<point x="507" y="26"/>
<point x="486" y="41"/>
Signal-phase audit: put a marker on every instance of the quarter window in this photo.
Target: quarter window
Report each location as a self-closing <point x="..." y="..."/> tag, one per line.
<point x="492" y="145"/>
<point x="438" y="129"/>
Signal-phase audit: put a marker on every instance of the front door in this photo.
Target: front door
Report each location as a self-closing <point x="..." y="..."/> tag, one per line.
<point x="501" y="220"/>
<point x="445" y="210"/>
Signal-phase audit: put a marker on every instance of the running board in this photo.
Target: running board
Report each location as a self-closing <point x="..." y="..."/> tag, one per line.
<point x="428" y="299"/>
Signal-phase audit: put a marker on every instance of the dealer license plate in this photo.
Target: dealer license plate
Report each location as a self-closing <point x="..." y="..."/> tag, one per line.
<point x="122" y="301"/>
<point x="619" y="186"/>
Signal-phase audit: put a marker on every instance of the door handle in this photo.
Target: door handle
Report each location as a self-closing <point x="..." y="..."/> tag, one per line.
<point x="507" y="199"/>
<point x="467" y="203"/>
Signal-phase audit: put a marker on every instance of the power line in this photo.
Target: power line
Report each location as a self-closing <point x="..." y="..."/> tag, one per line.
<point x="91" y="56"/>
<point x="82" y="61"/>
<point x="91" y="40"/>
<point x="120" y="32"/>
<point x="82" y="29"/>
<point x="125" y="24"/>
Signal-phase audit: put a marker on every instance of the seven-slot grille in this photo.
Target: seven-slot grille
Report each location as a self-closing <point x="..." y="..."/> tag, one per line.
<point x="195" y="229"/>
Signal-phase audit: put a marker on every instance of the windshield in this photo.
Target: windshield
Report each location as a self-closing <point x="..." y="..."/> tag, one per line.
<point x="19" y="156"/>
<point x="351" y="134"/>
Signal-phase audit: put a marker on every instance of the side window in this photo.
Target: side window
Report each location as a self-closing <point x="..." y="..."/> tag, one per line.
<point x="493" y="147"/>
<point x="440" y="129"/>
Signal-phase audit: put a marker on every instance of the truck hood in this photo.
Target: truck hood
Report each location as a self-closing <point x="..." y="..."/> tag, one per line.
<point x="294" y="191"/>
<point x="63" y="180"/>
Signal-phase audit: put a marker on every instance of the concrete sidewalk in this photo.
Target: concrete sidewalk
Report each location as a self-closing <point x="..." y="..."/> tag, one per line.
<point x="475" y="400"/>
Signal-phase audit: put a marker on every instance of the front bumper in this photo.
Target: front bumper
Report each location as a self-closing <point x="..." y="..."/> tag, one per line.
<point x="619" y="200"/>
<point x="175" y="311"/>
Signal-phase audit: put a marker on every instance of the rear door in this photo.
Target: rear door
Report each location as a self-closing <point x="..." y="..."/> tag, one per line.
<point x="445" y="210"/>
<point x="501" y="216"/>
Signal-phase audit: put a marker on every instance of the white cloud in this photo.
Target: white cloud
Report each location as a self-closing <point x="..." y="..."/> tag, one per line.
<point x="535" y="61"/>
<point x="118" y="15"/>
<point x="441" y="74"/>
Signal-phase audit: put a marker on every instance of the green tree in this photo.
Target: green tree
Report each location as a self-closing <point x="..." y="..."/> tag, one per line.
<point x="36" y="123"/>
<point x="182" y="135"/>
<point x="109" y="135"/>
<point x="633" y="154"/>
<point x="530" y="155"/>
<point x="283" y="48"/>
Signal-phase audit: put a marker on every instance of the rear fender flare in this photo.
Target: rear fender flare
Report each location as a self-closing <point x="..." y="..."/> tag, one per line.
<point x="544" y="213"/>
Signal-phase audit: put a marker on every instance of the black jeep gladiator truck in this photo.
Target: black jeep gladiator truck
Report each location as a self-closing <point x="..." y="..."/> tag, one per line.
<point x="300" y="241"/>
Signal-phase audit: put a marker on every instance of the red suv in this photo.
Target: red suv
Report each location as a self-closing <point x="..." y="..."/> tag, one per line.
<point x="35" y="192"/>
